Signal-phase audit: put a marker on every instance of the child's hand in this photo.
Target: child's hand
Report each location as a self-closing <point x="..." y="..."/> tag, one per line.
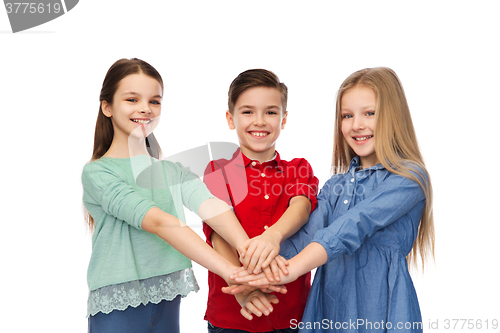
<point x="273" y="271"/>
<point x="243" y="289"/>
<point x="257" y="303"/>
<point x="258" y="252"/>
<point x="241" y="276"/>
<point x="236" y="289"/>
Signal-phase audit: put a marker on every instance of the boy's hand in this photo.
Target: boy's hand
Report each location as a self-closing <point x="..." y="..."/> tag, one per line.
<point x="235" y="289"/>
<point x="257" y="303"/>
<point x="273" y="271"/>
<point x="258" y="252"/>
<point x="242" y="276"/>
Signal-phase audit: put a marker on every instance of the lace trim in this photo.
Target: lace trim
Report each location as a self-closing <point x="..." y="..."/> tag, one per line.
<point x="133" y="293"/>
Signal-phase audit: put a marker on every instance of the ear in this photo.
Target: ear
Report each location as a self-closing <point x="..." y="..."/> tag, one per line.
<point x="283" y="121"/>
<point x="230" y="120"/>
<point x="106" y="109"/>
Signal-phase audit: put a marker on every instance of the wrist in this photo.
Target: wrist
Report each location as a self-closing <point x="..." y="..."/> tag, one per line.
<point x="295" y="269"/>
<point x="274" y="234"/>
<point x="226" y="271"/>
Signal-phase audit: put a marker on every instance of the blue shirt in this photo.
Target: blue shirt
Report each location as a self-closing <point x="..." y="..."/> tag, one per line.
<point x="367" y="221"/>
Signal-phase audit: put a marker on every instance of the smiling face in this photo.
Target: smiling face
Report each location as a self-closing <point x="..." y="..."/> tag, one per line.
<point x="136" y="107"/>
<point x="258" y="119"/>
<point x="358" y="107"/>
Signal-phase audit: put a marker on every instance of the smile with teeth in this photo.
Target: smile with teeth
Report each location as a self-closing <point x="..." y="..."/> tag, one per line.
<point x="259" y="134"/>
<point x="142" y="121"/>
<point x="363" y="138"/>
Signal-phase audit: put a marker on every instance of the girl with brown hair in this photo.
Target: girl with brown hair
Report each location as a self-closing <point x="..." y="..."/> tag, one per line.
<point x="141" y="249"/>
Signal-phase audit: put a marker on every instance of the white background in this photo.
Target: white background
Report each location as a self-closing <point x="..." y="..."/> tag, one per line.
<point x="445" y="53"/>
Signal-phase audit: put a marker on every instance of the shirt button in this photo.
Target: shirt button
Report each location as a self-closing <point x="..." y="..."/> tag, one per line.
<point x="263" y="174"/>
<point x="265" y="227"/>
<point x="352" y="180"/>
<point x="346" y="201"/>
<point x="266" y="197"/>
<point x="254" y="163"/>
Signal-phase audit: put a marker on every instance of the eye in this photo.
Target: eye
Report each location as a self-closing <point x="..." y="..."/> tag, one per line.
<point x="346" y="116"/>
<point x="272" y="112"/>
<point x="246" y="112"/>
<point x="155" y="102"/>
<point x="370" y="113"/>
<point x="132" y="100"/>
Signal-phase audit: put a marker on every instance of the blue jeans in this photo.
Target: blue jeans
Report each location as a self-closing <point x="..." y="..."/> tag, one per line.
<point x="215" y="329"/>
<point x="151" y="318"/>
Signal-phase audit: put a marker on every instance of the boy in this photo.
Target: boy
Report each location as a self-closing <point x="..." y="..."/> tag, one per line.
<point x="272" y="199"/>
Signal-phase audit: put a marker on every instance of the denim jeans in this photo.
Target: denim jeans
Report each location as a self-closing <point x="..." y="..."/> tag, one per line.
<point x="215" y="329"/>
<point x="151" y="318"/>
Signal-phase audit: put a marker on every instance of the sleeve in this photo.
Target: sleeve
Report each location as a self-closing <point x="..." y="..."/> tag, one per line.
<point x="391" y="200"/>
<point x="102" y="187"/>
<point x="193" y="191"/>
<point x="291" y="246"/>
<point x="303" y="183"/>
<point x="215" y="182"/>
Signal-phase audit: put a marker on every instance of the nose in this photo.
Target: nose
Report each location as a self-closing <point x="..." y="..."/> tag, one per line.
<point x="145" y="110"/>
<point x="358" y="124"/>
<point x="259" y="120"/>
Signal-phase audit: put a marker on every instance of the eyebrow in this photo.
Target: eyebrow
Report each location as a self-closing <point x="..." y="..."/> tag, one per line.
<point x="246" y="106"/>
<point x="137" y="94"/>
<point x="368" y="107"/>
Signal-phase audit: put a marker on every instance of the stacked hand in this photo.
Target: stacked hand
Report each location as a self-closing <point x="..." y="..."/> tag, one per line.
<point x="263" y="272"/>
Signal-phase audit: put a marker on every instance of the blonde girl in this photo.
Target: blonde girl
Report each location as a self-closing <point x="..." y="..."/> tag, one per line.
<point x="372" y="214"/>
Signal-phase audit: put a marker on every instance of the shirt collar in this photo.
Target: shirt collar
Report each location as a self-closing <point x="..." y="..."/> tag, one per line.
<point x="242" y="160"/>
<point x="356" y="163"/>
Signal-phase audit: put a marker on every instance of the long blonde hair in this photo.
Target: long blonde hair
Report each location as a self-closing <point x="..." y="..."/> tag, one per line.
<point x="395" y="145"/>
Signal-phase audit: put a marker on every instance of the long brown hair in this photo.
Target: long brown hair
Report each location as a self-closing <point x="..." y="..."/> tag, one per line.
<point x="396" y="144"/>
<point x="103" y="136"/>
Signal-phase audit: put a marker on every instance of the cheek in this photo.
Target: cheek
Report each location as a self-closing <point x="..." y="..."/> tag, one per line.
<point x="239" y="125"/>
<point x="243" y="123"/>
<point x="346" y="128"/>
<point x="157" y="110"/>
<point x="372" y="124"/>
<point x="278" y="124"/>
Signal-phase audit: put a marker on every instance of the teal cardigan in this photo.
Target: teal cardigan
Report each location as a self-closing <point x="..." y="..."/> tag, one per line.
<point x="118" y="193"/>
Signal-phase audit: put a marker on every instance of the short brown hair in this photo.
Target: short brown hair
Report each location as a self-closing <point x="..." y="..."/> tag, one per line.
<point x="255" y="78"/>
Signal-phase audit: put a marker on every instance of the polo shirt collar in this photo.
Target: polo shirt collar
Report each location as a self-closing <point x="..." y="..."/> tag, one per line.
<point x="242" y="160"/>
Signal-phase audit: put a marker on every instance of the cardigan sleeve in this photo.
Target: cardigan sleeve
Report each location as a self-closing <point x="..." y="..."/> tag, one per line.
<point x="215" y="181"/>
<point x="193" y="190"/>
<point x="104" y="189"/>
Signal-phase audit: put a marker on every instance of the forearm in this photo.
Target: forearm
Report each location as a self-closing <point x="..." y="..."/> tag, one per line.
<point x="186" y="241"/>
<point x="219" y="216"/>
<point x="296" y="215"/>
<point x="312" y="256"/>
<point x="229" y="253"/>
<point x="225" y="250"/>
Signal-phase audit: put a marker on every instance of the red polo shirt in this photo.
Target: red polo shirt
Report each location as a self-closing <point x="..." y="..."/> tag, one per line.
<point x="259" y="194"/>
